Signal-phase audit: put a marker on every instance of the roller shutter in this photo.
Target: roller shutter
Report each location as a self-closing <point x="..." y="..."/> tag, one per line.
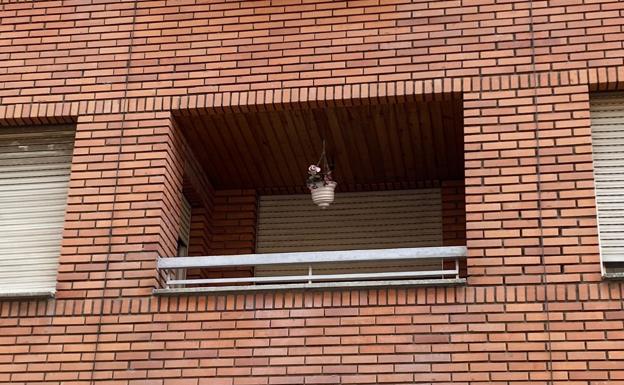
<point x="607" y="121"/>
<point x="367" y="220"/>
<point x="355" y="221"/>
<point x="34" y="175"/>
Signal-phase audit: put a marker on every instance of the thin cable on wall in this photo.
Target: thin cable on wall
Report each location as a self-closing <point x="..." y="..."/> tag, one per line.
<point x="544" y="276"/>
<point x="123" y="111"/>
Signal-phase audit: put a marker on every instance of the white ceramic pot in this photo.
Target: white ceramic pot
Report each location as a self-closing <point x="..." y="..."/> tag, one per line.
<point x="323" y="196"/>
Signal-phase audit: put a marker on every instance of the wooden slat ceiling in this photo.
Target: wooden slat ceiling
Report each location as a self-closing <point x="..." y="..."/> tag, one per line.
<point x="380" y="146"/>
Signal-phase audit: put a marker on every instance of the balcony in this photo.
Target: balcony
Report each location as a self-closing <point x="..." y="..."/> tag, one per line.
<point x="248" y="222"/>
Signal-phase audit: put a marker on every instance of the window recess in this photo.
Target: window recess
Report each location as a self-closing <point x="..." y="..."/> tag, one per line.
<point x="607" y="131"/>
<point x="34" y="176"/>
<point x="398" y="213"/>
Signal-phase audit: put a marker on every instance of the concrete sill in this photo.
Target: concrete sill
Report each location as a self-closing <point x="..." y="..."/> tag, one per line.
<point x="26" y="295"/>
<point x="312" y="286"/>
<point x="614" y="276"/>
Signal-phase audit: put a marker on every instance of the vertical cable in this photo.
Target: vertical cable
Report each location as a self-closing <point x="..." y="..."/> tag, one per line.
<point x="544" y="275"/>
<point x="124" y="112"/>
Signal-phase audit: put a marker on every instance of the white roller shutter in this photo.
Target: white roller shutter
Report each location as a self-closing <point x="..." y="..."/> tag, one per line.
<point x="34" y="175"/>
<point x="355" y="221"/>
<point x="607" y="119"/>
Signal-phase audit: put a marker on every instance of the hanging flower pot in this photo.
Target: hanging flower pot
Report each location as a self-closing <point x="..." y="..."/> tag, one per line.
<point x="323" y="196"/>
<point x="320" y="183"/>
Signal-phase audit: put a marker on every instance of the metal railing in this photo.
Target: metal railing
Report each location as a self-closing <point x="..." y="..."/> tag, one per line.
<point x="385" y="259"/>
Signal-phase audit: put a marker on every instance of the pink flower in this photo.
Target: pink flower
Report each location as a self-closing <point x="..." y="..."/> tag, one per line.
<point x="314" y="169"/>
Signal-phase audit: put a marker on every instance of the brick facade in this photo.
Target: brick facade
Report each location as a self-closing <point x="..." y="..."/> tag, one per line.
<point x="453" y="213"/>
<point x="535" y="308"/>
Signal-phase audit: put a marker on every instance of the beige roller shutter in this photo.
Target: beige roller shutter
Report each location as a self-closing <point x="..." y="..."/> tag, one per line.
<point x="355" y="221"/>
<point x="607" y="119"/>
<point x="34" y="175"/>
<point x="367" y="220"/>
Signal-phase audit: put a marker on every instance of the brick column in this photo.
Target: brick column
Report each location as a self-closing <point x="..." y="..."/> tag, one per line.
<point x="453" y="213"/>
<point x="509" y="214"/>
<point x="234" y="226"/>
<point x="123" y="208"/>
<point x="234" y="222"/>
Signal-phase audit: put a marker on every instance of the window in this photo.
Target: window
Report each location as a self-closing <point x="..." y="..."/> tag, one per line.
<point x="607" y="116"/>
<point x="34" y="175"/>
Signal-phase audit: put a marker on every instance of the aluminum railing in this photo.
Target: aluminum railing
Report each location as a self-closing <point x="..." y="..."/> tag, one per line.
<point x="310" y="262"/>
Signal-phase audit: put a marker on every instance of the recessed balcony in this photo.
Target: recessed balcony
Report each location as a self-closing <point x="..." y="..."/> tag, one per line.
<point x="398" y="216"/>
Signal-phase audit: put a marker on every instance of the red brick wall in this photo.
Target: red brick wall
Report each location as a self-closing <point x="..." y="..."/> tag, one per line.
<point x="454" y="220"/>
<point x="463" y="335"/>
<point x="201" y="231"/>
<point x="534" y="309"/>
<point x="198" y="190"/>
<point x="206" y="48"/>
<point x="234" y="222"/>
<point x="453" y="213"/>
<point x="123" y="206"/>
<point x="234" y="225"/>
<point x="529" y="185"/>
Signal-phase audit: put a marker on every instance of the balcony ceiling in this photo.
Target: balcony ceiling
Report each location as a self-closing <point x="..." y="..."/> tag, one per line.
<point x="380" y="146"/>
